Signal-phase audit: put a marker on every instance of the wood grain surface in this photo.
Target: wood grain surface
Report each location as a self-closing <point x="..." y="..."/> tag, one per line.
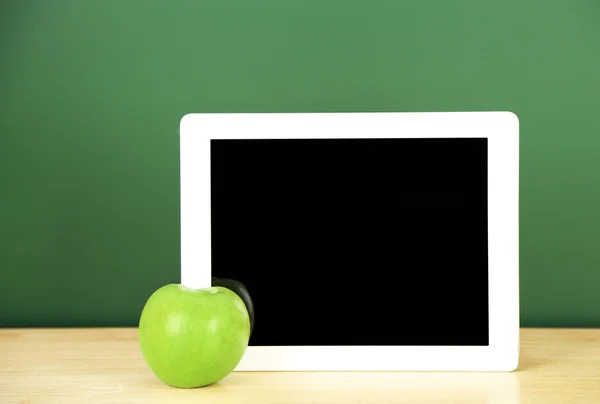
<point x="104" y="365"/>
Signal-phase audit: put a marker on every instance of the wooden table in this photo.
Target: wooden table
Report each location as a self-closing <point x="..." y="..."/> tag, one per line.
<point x="105" y="366"/>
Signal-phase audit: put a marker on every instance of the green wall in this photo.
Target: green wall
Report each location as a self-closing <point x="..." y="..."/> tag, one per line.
<point x="91" y="93"/>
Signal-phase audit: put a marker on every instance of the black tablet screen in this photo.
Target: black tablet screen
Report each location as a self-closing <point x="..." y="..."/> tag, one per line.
<point x="355" y="241"/>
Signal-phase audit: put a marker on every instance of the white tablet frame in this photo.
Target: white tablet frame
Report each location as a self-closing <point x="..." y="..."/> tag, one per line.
<point x="502" y="131"/>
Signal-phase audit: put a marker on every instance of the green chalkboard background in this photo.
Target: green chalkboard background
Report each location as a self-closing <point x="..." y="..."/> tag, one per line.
<point x="91" y="93"/>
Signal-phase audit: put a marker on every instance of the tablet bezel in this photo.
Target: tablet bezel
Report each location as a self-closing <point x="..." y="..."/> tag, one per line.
<point x="502" y="131"/>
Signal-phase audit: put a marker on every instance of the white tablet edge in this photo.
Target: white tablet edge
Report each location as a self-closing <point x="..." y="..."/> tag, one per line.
<point x="502" y="131"/>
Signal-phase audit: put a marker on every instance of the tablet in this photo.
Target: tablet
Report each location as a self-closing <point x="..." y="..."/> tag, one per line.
<point x="368" y="241"/>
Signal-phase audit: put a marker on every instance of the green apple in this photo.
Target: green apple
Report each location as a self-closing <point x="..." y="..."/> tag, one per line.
<point x="193" y="338"/>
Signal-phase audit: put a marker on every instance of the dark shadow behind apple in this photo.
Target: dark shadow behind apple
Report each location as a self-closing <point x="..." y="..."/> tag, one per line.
<point x="239" y="289"/>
